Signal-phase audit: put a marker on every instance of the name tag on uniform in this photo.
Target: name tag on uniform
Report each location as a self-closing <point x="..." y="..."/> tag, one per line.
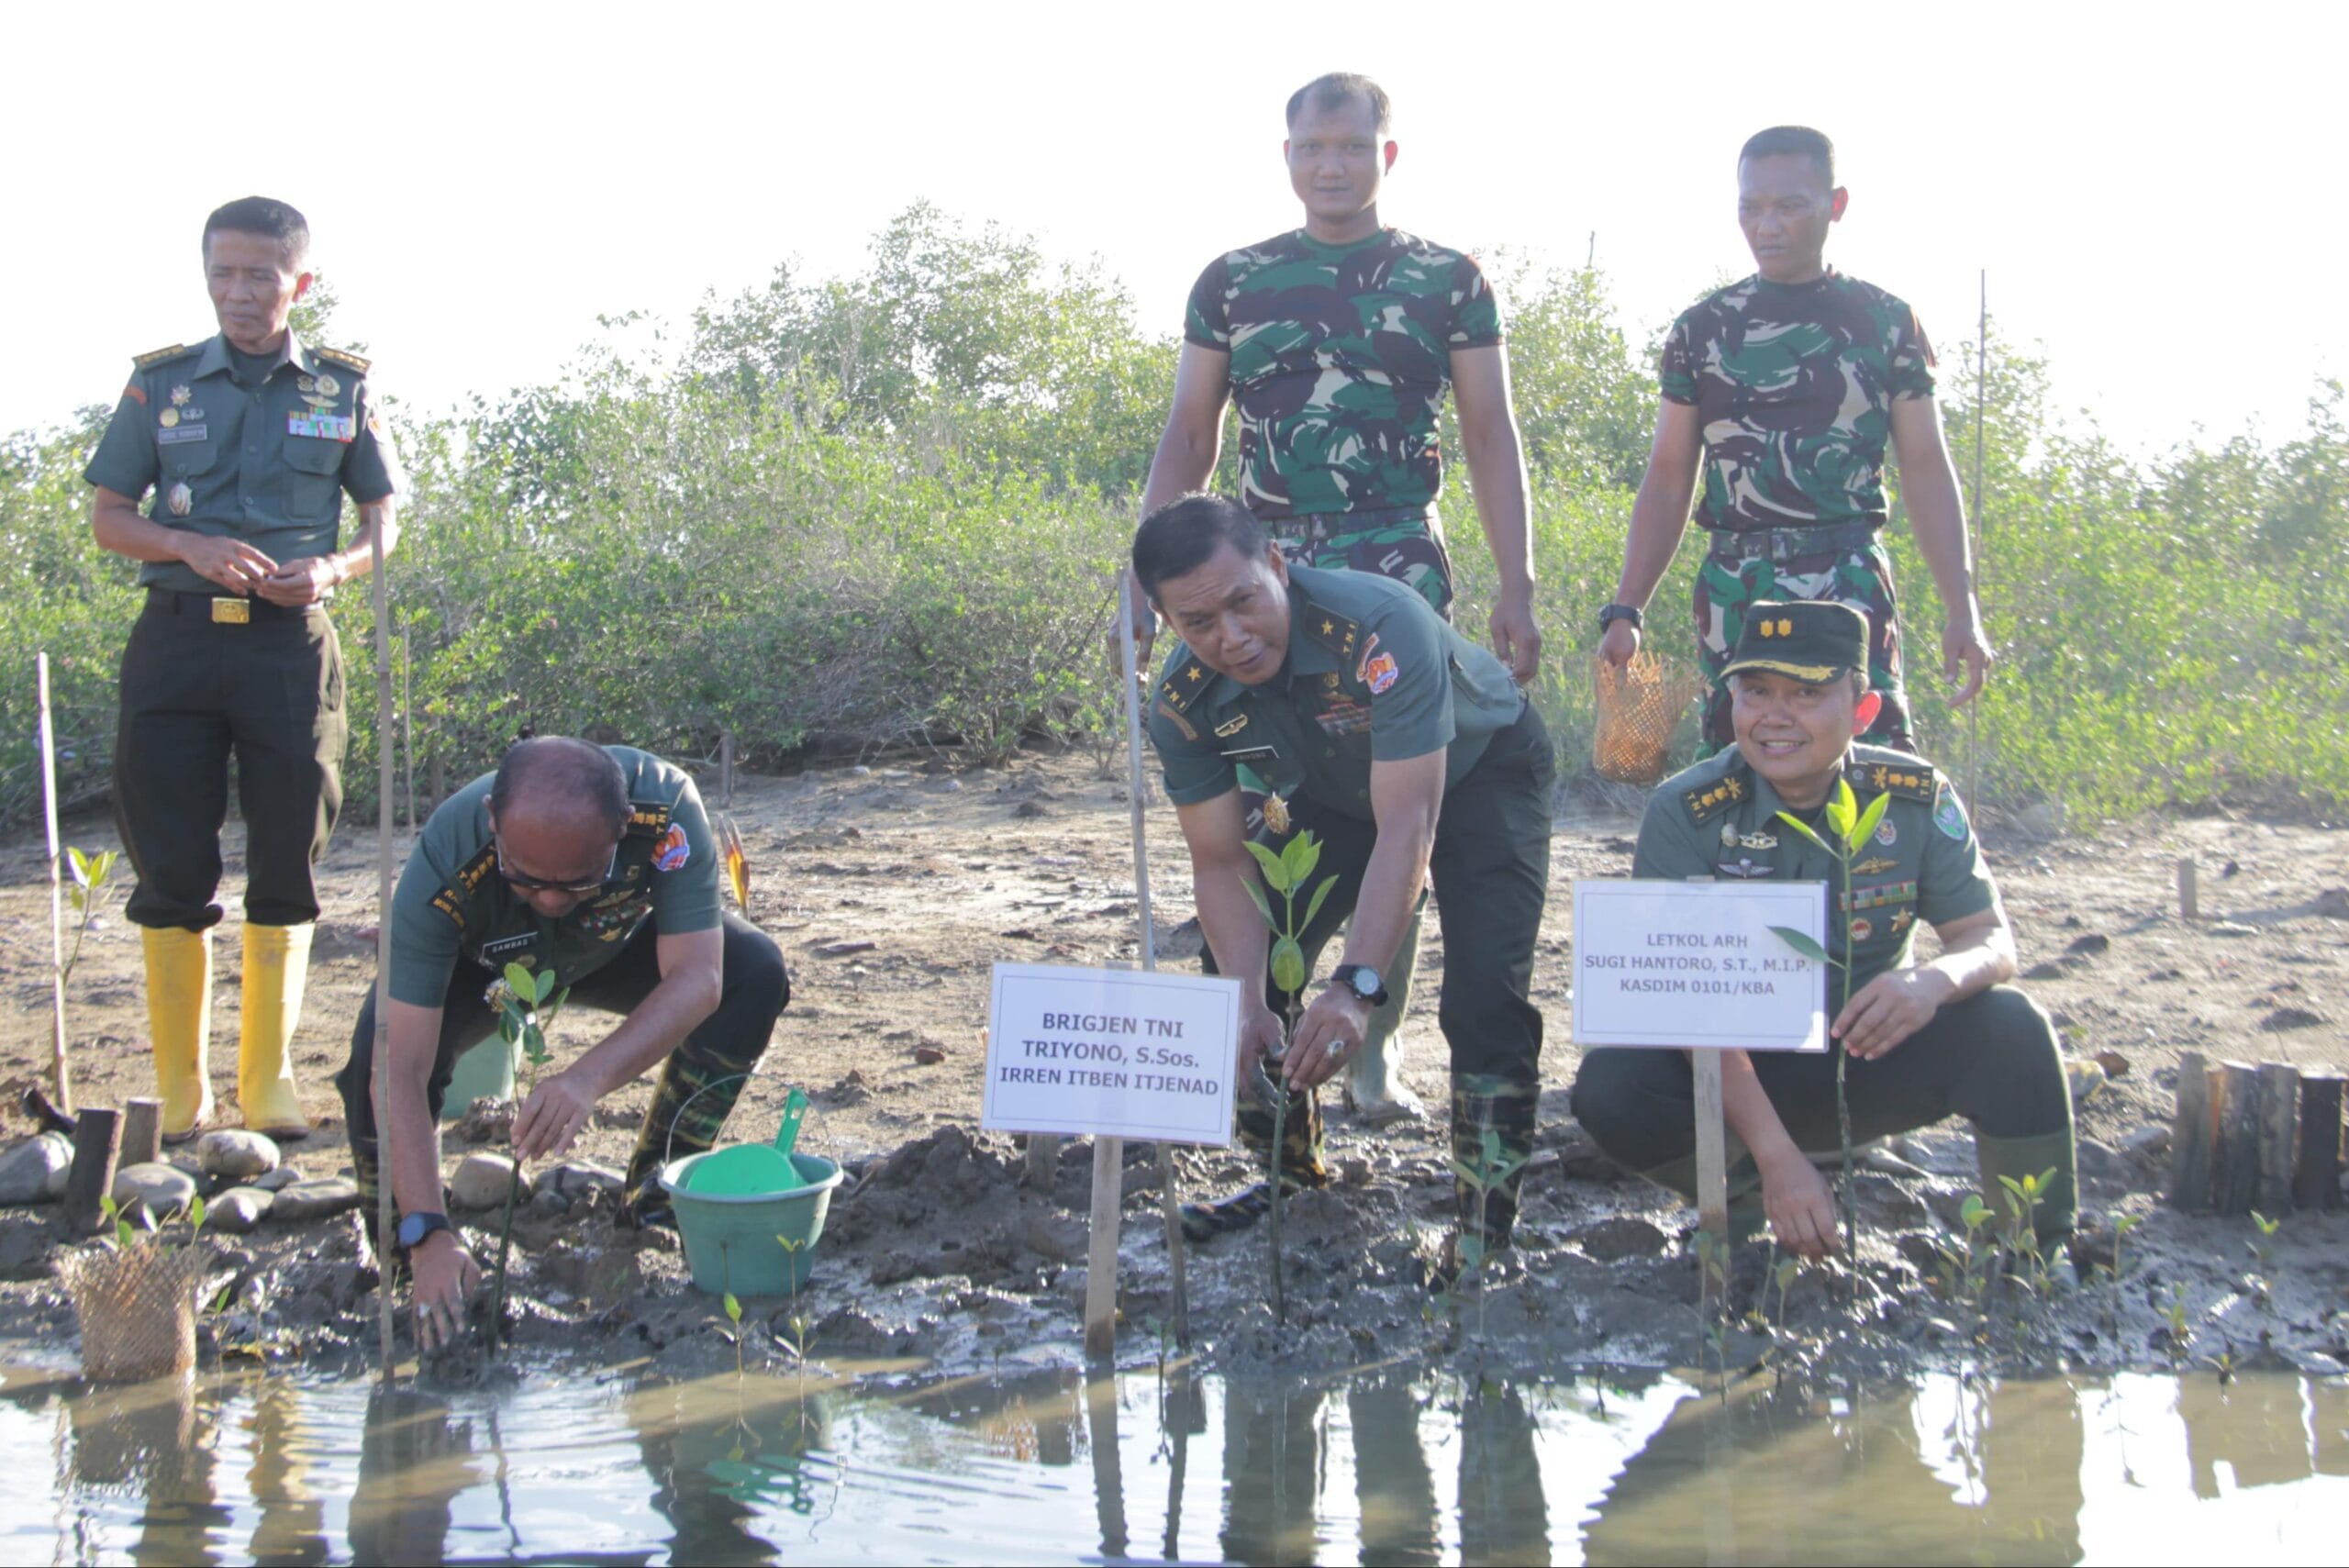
<point x="1251" y="755"/>
<point x="505" y="945"/>
<point x="326" y="427"/>
<point x="175" y="435"/>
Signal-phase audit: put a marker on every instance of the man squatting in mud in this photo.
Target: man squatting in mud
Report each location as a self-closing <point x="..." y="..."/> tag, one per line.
<point x="1408" y="752"/>
<point x="595" y="863"/>
<point x="1948" y="1037"/>
<point x="1337" y="341"/>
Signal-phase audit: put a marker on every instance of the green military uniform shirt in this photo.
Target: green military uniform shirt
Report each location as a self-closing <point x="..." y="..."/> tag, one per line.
<point x="1720" y="819"/>
<point x="1372" y="674"/>
<point x="266" y="464"/>
<point x="451" y="901"/>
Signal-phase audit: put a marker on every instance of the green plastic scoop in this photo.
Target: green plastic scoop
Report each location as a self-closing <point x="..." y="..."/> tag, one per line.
<point x="748" y="1169"/>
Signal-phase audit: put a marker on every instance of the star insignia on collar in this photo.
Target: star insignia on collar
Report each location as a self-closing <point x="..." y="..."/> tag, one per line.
<point x="1193" y="672"/>
<point x="1328" y="626"/>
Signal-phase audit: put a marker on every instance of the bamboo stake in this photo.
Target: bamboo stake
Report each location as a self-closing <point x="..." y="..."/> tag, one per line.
<point x="1981" y="393"/>
<point x="56" y="895"/>
<point x="407" y="733"/>
<point x="1169" y="1199"/>
<point x="380" y="591"/>
<point x="1712" y="1139"/>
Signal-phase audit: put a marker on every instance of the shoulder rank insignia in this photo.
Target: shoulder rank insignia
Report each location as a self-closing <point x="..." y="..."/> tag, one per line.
<point x="1330" y="630"/>
<point x="1711" y="800"/>
<point x="1174" y="716"/>
<point x="1182" y="688"/>
<point x="158" y="356"/>
<point x="1903" y="781"/>
<point x="646" y="820"/>
<point x="342" y="357"/>
<point x="450" y="900"/>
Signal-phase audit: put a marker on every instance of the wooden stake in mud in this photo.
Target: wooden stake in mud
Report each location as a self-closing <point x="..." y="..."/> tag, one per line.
<point x="2193" y="1136"/>
<point x="56" y="895"/>
<point x="2234" y="1172"/>
<point x="98" y="1140"/>
<point x="1712" y="1140"/>
<point x="380" y="592"/>
<point x="2279" y="1136"/>
<point x="1170" y="1200"/>
<point x="2316" y="1176"/>
<point x="2189" y="900"/>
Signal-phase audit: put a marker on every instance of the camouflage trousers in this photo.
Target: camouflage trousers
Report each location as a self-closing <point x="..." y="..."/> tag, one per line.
<point x="1490" y="865"/>
<point x="1405" y="543"/>
<point x="1860" y="577"/>
<point x="698" y="1086"/>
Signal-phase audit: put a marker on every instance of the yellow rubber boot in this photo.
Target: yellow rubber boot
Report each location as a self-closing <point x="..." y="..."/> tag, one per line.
<point x="179" y="1021"/>
<point x="278" y="964"/>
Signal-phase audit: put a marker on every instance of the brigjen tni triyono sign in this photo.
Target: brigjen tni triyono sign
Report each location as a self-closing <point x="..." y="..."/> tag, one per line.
<point x="1120" y="1053"/>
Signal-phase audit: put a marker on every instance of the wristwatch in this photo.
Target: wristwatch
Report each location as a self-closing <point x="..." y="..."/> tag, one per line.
<point x="1362" y="981"/>
<point x="415" y="1228"/>
<point x="1614" y="613"/>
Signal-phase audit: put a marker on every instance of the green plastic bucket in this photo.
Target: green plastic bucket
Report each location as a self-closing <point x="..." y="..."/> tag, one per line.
<point x="730" y="1237"/>
<point x="484" y="1073"/>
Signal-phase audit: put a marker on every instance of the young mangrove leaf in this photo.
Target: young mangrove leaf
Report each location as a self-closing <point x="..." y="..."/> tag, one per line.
<point x="1867" y="822"/>
<point x="545" y="986"/>
<point x="1276" y="870"/>
<point x="1800" y="941"/>
<point x="523" y="983"/>
<point x="1264" y="904"/>
<point x="1842" y="808"/>
<point x="1299" y="856"/>
<point x="1799" y="825"/>
<point x="1288" y="967"/>
<point x="1313" y="905"/>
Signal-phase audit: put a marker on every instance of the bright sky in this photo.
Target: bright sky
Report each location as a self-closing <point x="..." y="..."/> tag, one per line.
<point x="2153" y="202"/>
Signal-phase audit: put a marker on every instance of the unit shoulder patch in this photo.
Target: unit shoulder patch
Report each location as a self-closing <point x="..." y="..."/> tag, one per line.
<point x="1183" y="686"/>
<point x="1707" y="801"/>
<point x="158" y="356"/>
<point x="343" y="357"/>
<point x="646" y="820"/>
<point x="1330" y="630"/>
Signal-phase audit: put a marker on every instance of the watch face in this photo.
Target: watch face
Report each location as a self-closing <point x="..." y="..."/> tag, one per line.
<point x="411" y="1229"/>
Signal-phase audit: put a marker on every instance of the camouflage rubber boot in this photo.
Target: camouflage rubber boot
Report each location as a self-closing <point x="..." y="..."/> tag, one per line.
<point x="1301" y="1165"/>
<point x="1492" y="1138"/>
<point x="690" y="1104"/>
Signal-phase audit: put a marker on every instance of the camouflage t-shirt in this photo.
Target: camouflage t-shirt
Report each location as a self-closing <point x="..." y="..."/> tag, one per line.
<point x="1793" y="385"/>
<point x="1340" y="355"/>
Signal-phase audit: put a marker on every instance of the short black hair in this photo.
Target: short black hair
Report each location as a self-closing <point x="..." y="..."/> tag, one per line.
<point x="1793" y="140"/>
<point x="574" y="771"/>
<point x="1179" y="537"/>
<point x="1332" y="88"/>
<point x="264" y="216"/>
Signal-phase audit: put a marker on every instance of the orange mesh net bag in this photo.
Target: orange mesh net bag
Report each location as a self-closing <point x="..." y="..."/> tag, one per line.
<point x="1639" y="706"/>
<point x="136" y="1305"/>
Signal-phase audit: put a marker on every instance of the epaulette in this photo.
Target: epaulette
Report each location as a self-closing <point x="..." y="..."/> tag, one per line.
<point x="1331" y="630"/>
<point x="342" y="357"/>
<point x="450" y="900"/>
<point x="1903" y="778"/>
<point x="158" y="356"/>
<point x="1182" y="688"/>
<point x="1707" y="801"/>
<point x="648" y="819"/>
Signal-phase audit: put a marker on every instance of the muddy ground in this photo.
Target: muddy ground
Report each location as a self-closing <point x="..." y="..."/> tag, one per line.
<point x="937" y="1249"/>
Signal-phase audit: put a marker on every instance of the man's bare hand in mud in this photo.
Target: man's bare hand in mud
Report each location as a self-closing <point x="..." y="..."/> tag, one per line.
<point x="557" y="1111"/>
<point x="1801" y="1209"/>
<point x="445" y="1277"/>
<point x="1327" y="1037"/>
<point x="1260" y="1035"/>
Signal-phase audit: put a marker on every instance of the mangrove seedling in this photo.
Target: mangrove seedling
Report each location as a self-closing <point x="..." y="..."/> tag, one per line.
<point x="1712" y="1311"/>
<point x="2021" y="1243"/>
<point x="146" y="1233"/>
<point x="1851" y="826"/>
<point x="86" y="893"/>
<point x="1284" y="872"/>
<point x="521" y="1023"/>
<point x="1491" y="1169"/>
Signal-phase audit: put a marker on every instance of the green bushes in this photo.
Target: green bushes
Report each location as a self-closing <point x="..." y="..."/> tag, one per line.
<point x="888" y="510"/>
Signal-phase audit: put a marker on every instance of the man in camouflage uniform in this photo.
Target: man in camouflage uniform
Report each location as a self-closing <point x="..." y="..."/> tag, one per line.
<point x="1787" y="386"/>
<point x="248" y="442"/>
<point x="1926" y="1040"/>
<point x="594" y="863"/>
<point x="1338" y="342"/>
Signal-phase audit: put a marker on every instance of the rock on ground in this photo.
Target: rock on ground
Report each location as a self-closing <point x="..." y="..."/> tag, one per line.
<point x="239" y="1209"/>
<point x="483" y="1180"/>
<point x="280" y="1179"/>
<point x="315" y="1200"/>
<point x="35" y="1170"/>
<point x="236" y="1155"/>
<point x="161" y="1188"/>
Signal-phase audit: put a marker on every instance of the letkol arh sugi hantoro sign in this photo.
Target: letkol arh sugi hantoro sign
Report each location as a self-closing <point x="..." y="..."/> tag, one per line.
<point x="1695" y="964"/>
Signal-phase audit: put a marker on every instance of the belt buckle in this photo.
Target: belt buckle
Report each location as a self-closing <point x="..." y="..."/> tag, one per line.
<point x="231" y="612"/>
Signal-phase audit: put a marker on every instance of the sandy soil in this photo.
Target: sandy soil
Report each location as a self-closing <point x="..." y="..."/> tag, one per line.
<point x="936" y="1249"/>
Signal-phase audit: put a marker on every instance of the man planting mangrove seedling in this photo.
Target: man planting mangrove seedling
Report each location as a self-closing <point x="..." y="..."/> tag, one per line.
<point x="249" y="442"/>
<point x="1408" y="752"/>
<point x="1923" y="1040"/>
<point x="1787" y="387"/>
<point x="1338" y="342"/>
<point x="594" y="863"/>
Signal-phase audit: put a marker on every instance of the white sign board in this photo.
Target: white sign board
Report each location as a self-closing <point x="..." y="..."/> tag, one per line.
<point x="1118" y="1052"/>
<point x="1691" y="964"/>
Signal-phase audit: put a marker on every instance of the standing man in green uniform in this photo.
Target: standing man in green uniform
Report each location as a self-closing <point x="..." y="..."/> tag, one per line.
<point x="1407" y="751"/>
<point x="1787" y="386"/>
<point x="595" y="863"/>
<point x="249" y="442"/>
<point x="1947" y="1037"/>
<point x="1338" y="342"/>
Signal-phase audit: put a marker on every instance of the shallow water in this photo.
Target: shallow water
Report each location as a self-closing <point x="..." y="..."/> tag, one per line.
<point x="1386" y="1466"/>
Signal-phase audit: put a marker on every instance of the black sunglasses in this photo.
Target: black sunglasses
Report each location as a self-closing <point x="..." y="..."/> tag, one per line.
<point x="534" y="885"/>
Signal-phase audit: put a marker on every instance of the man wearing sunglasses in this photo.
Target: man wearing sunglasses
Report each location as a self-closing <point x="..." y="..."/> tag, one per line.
<point x="595" y="863"/>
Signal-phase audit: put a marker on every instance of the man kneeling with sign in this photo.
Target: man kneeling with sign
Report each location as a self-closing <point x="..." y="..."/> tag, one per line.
<point x="594" y="863"/>
<point x="1926" y="1040"/>
<point x="1407" y="750"/>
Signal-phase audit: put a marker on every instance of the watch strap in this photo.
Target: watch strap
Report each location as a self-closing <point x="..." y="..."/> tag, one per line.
<point x="423" y="1225"/>
<point x="1615" y="612"/>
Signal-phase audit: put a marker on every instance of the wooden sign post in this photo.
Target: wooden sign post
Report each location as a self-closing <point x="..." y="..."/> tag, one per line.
<point x="61" y="1084"/>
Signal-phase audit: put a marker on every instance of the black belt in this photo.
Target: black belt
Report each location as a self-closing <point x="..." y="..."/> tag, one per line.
<point x="223" y="608"/>
<point x="1293" y="524"/>
<point x="1789" y="544"/>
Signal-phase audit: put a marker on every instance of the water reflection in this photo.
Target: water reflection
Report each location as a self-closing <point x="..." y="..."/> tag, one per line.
<point x="1393" y="1464"/>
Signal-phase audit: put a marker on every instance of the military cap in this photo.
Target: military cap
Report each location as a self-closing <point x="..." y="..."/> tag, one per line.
<point x="1807" y="639"/>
